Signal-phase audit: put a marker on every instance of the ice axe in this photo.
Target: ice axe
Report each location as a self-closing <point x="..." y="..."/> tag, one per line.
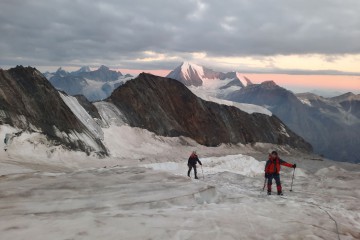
<point x="202" y="171"/>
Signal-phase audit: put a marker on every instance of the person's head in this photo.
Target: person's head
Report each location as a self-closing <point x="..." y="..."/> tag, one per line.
<point x="193" y="153"/>
<point x="274" y="154"/>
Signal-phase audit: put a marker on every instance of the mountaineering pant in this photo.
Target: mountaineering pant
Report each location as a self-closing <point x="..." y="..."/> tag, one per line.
<point x="277" y="180"/>
<point x="190" y="167"/>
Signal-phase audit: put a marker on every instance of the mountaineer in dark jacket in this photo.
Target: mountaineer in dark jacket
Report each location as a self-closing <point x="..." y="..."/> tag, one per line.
<point x="193" y="159"/>
<point x="272" y="171"/>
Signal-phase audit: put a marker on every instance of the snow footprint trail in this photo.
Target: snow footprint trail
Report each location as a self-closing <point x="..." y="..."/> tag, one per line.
<point x="339" y="209"/>
<point x="239" y="179"/>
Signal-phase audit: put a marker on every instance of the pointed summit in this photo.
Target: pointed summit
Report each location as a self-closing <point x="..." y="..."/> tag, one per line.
<point x="192" y="74"/>
<point x="188" y="73"/>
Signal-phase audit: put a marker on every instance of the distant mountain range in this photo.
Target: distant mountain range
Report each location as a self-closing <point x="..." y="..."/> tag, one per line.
<point x="331" y="125"/>
<point x="94" y="85"/>
<point x="164" y="106"/>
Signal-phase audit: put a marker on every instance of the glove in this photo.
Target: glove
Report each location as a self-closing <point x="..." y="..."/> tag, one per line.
<point x="294" y="166"/>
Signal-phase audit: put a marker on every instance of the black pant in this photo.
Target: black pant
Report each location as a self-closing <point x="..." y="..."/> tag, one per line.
<point x="277" y="180"/>
<point x="190" y="167"/>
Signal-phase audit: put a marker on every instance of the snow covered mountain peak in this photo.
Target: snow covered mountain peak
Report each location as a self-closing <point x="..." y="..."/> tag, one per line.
<point x="188" y="67"/>
<point x="244" y="80"/>
<point x="191" y="74"/>
<point x="188" y="73"/>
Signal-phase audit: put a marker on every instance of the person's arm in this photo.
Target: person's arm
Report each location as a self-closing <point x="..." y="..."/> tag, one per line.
<point x="197" y="159"/>
<point x="286" y="164"/>
<point x="189" y="162"/>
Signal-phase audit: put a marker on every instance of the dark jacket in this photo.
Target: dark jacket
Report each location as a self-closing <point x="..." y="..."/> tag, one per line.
<point x="273" y="165"/>
<point x="193" y="159"/>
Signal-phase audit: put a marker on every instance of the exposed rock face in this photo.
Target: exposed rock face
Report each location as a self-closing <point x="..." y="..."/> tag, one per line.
<point x="332" y="126"/>
<point x="29" y="101"/>
<point x="168" y="108"/>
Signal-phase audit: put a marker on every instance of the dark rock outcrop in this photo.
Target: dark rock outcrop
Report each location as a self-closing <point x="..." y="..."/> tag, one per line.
<point x="166" y="107"/>
<point x="28" y="101"/>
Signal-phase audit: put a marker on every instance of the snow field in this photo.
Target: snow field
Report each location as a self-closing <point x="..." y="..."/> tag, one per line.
<point x="51" y="193"/>
<point x="210" y="94"/>
<point x="239" y="164"/>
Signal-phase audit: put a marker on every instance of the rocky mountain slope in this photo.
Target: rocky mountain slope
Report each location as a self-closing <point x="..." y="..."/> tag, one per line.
<point x="166" y="107"/>
<point x="94" y="85"/>
<point x="29" y="102"/>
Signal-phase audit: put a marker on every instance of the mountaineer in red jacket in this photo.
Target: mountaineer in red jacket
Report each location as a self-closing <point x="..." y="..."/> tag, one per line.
<point x="272" y="170"/>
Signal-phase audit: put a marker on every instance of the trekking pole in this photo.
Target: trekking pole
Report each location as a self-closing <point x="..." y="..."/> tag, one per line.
<point x="292" y="180"/>
<point x="202" y="172"/>
<point x="264" y="183"/>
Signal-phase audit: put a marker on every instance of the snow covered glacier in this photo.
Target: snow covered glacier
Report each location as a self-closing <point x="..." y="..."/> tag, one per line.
<point x="142" y="192"/>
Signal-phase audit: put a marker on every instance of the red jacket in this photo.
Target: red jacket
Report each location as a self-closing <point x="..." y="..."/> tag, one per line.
<point x="273" y="165"/>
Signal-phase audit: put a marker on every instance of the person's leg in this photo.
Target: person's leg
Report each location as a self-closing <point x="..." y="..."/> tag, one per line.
<point x="195" y="172"/>
<point x="269" y="183"/>
<point x="189" y="170"/>
<point x="278" y="184"/>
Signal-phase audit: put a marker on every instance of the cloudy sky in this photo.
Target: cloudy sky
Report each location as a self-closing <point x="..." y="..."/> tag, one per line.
<point x="294" y="37"/>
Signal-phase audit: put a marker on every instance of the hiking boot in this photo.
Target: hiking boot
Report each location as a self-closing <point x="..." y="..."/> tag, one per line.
<point x="196" y="178"/>
<point x="280" y="193"/>
<point x="269" y="193"/>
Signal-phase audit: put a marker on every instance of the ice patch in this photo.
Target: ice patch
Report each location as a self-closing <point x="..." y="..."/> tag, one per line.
<point x="283" y="130"/>
<point x="248" y="108"/>
<point x="305" y="101"/>
<point x="110" y="114"/>
<point x="83" y="115"/>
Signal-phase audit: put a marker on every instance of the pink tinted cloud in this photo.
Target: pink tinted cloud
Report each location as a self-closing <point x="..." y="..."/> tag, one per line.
<point x="301" y="82"/>
<point x="331" y="82"/>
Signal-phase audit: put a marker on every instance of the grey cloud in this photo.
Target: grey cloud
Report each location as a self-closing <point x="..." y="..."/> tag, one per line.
<point x="115" y="32"/>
